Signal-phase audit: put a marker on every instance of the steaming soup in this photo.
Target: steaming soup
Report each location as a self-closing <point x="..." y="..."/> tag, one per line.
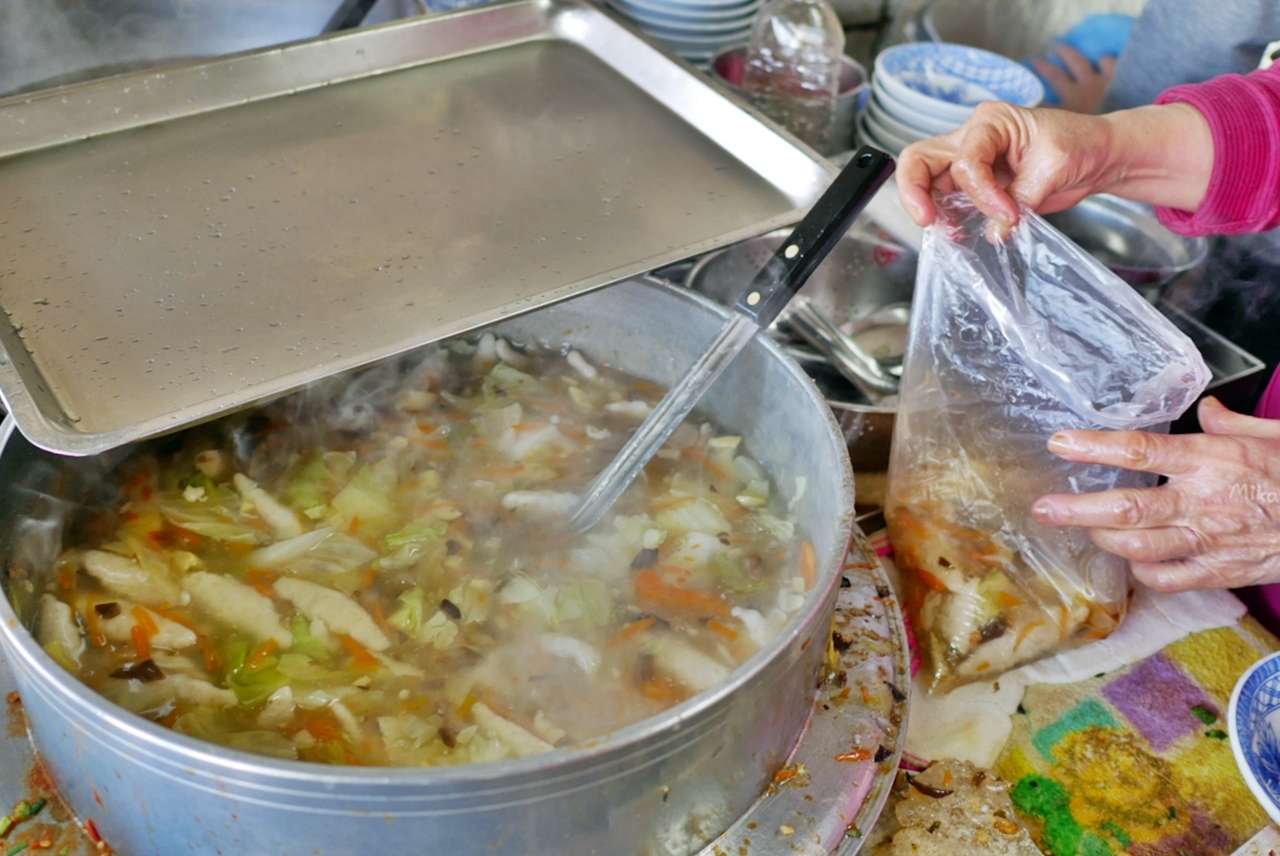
<point x="379" y="573"/>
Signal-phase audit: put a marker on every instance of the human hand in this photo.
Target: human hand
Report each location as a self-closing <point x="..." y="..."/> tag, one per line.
<point x="1080" y="87"/>
<point x="1214" y="524"/>
<point x="1049" y="160"/>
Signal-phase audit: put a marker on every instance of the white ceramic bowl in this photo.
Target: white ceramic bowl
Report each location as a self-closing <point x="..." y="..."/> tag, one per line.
<point x="893" y="141"/>
<point x="896" y="89"/>
<point x="948" y="81"/>
<point x="672" y="22"/>
<point x="1253" y="723"/>
<point x="698" y="46"/>
<point x="868" y="137"/>
<point x="882" y="119"/>
<point x="698" y="8"/>
<point x="658" y="26"/>
<point x="684" y="15"/>
<point x="908" y="115"/>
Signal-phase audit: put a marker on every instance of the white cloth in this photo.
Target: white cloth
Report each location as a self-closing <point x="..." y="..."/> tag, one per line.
<point x="1265" y="843"/>
<point x="973" y="723"/>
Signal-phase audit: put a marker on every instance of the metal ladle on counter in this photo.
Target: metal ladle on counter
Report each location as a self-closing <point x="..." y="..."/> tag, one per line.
<point x="770" y="291"/>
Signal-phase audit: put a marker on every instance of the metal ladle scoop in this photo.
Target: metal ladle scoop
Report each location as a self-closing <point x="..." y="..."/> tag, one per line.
<point x="770" y="291"/>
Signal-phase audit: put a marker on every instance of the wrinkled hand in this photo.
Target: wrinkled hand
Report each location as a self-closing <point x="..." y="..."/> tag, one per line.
<point x="1049" y="160"/>
<point x="1046" y="159"/>
<point x="1214" y="524"/>
<point x="1081" y="87"/>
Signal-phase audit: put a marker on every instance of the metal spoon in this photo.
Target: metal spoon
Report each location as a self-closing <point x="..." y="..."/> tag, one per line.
<point x="775" y="285"/>
<point x="893" y="316"/>
<point x="846" y="355"/>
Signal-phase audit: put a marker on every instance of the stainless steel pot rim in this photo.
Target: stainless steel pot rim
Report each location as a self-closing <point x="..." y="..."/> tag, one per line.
<point x="607" y="750"/>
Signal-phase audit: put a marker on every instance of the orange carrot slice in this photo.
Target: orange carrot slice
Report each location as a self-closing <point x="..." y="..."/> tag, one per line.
<point x="265" y="650"/>
<point x="651" y="590"/>
<point x="632" y="629"/>
<point x="723" y="629"/>
<point x="359" y="653"/>
<point x="808" y="565"/>
<point x="141" y="644"/>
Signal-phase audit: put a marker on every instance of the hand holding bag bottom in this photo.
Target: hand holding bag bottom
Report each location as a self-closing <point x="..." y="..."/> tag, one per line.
<point x="1010" y="343"/>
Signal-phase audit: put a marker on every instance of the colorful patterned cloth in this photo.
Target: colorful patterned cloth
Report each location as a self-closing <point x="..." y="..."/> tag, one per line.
<point x="1137" y="761"/>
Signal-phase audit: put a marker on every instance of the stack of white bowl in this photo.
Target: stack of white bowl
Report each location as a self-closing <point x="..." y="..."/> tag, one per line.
<point x="923" y="89"/>
<point x="694" y="29"/>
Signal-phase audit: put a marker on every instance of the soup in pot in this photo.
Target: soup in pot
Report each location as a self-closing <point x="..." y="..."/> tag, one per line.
<point x="379" y="572"/>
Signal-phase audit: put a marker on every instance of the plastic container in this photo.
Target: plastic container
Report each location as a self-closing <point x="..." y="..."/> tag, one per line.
<point x="793" y="67"/>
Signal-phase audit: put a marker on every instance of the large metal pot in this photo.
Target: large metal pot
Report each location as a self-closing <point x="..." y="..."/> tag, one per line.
<point x="667" y="785"/>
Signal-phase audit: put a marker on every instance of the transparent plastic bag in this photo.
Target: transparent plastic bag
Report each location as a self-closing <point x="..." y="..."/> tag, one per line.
<point x="1008" y="344"/>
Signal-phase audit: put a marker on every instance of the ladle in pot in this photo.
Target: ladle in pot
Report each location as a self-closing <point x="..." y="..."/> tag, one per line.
<point x="770" y="291"/>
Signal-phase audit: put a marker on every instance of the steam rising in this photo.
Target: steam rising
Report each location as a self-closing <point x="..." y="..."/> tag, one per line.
<point x="50" y="42"/>
<point x="1246" y="267"/>
<point x="425" y="498"/>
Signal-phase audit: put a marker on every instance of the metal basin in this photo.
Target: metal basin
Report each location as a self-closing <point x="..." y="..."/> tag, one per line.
<point x="1127" y="238"/>
<point x="667" y="785"/>
<point x="865" y="273"/>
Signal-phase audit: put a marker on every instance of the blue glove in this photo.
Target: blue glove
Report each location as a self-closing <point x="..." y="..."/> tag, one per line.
<point x="1096" y="36"/>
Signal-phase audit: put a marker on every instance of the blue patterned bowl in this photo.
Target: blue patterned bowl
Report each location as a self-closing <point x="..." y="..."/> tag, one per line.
<point x="1253" y="720"/>
<point x="948" y="81"/>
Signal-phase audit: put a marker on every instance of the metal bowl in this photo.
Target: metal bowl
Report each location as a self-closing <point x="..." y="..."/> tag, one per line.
<point x="865" y="274"/>
<point x="866" y="271"/>
<point x="1129" y="239"/>
<point x="667" y="785"/>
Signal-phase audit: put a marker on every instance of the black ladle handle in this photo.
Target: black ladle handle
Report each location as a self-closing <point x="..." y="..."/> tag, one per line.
<point x="815" y="236"/>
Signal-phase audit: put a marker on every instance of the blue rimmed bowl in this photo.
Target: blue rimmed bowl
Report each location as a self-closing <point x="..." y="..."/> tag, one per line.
<point x="1253" y="720"/>
<point x="947" y="82"/>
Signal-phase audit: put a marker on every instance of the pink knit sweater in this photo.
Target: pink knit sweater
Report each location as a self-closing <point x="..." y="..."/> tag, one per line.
<point x="1244" y="196"/>
<point x="1244" y="192"/>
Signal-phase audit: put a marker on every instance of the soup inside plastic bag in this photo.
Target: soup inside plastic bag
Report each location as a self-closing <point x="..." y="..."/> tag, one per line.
<point x="1010" y="343"/>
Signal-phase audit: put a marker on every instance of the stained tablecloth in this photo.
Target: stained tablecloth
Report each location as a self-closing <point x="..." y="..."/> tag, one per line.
<point x="1133" y="759"/>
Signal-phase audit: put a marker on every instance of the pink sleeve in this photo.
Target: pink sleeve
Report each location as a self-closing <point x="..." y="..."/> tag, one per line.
<point x="1244" y="192"/>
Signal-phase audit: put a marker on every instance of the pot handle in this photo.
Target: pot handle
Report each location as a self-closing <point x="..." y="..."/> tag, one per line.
<point x="815" y="236"/>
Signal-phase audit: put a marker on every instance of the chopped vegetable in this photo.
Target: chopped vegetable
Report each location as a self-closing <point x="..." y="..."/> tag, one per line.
<point x="217" y="516"/>
<point x="653" y="592"/>
<point x="1202" y="713"/>
<point x="408" y="615"/>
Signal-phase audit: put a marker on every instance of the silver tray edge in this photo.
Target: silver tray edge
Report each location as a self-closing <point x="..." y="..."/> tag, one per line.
<point x="40" y="120"/>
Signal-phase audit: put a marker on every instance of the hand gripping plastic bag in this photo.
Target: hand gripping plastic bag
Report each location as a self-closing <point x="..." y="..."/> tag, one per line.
<point x="1009" y="343"/>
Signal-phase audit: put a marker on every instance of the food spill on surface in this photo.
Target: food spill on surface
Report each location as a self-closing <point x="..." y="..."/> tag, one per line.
<point x="40" y="822"/>
<point x="376" y="574"/>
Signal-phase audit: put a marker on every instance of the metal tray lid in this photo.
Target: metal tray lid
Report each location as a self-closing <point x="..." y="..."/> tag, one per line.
<point x="180" y="243"/>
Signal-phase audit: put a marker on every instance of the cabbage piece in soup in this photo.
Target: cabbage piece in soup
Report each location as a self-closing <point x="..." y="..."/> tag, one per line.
<point x="377" y="571"/>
